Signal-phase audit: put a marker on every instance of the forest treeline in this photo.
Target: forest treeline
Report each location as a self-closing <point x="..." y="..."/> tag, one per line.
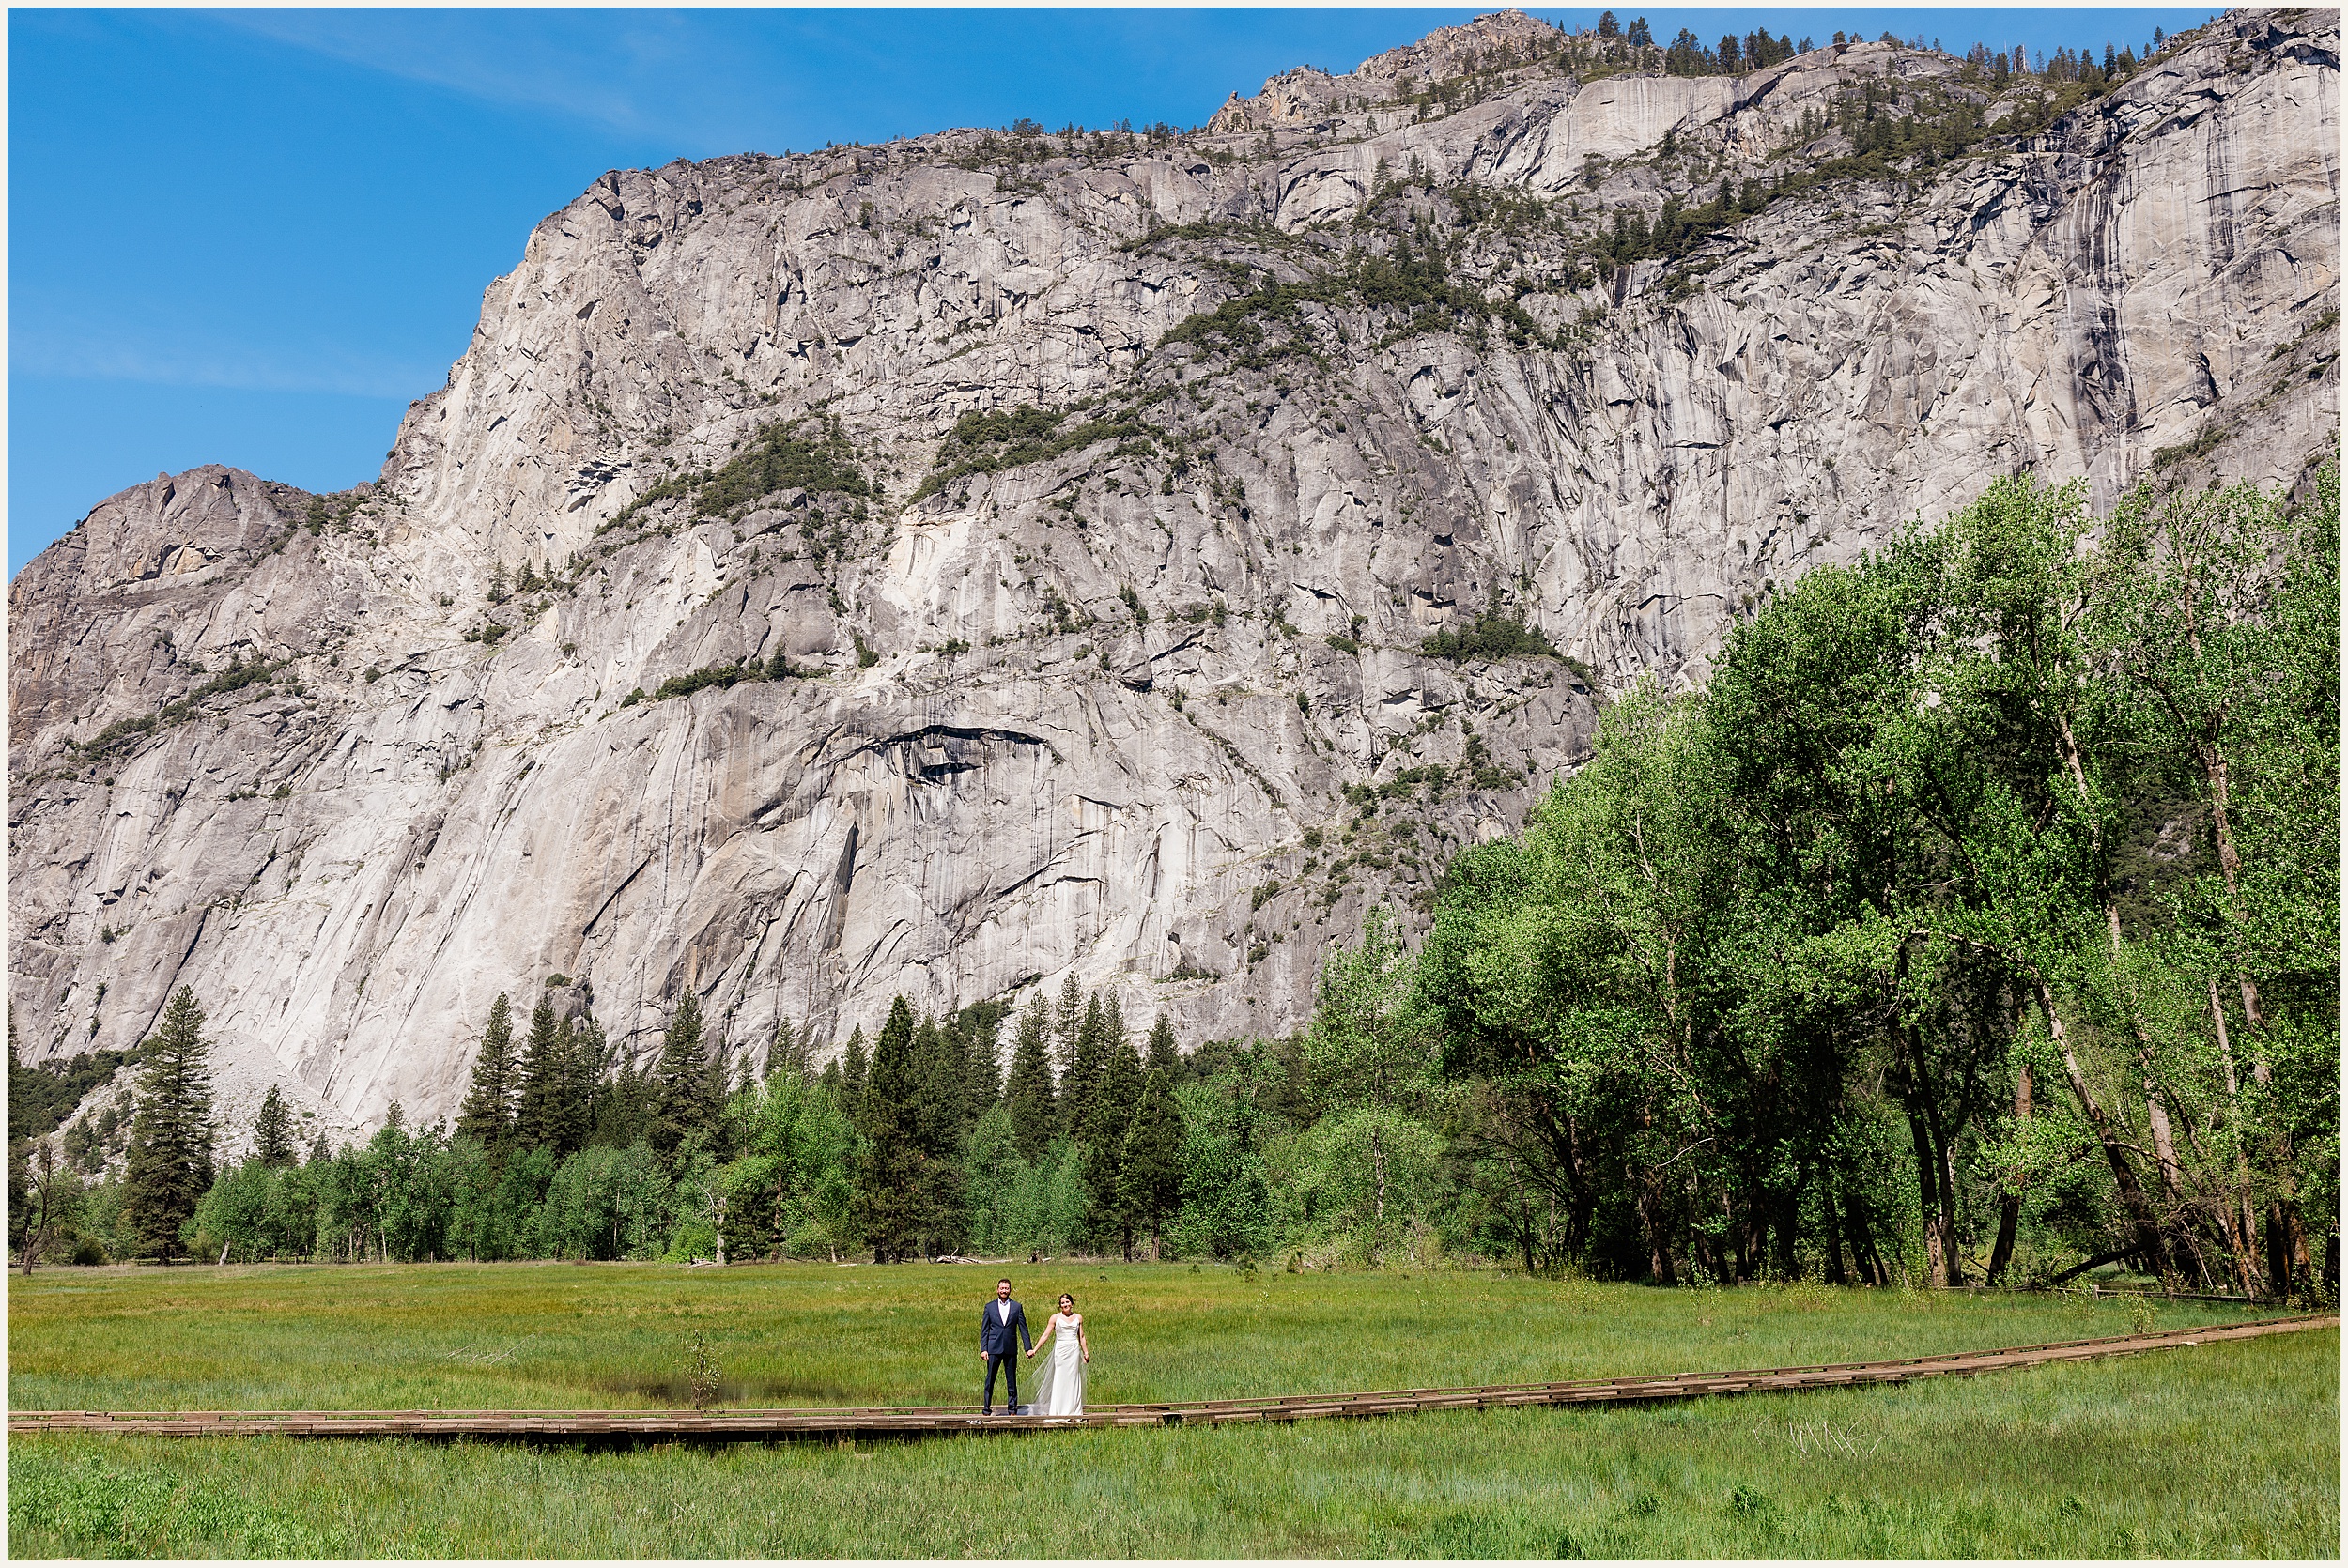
<point x="2007" y="860"/>
<point x="1977" y="920"/>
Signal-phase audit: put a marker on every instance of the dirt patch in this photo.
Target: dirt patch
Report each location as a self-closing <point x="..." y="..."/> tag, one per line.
<point x="674" y="1390"/>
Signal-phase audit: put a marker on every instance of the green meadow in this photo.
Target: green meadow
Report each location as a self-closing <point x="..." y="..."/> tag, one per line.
<point x="2222" y="1450"/>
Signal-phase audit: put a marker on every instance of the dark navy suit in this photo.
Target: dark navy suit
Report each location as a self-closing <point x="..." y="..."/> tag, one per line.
<point x="1002" y="1338"/>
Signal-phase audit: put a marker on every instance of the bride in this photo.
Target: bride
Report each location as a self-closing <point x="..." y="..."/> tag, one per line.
<point x="1060" y="1388"/>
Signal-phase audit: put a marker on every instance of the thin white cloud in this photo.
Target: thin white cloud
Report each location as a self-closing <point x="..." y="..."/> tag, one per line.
<point x="637" y="72"/>
<point x="105" y="356"/>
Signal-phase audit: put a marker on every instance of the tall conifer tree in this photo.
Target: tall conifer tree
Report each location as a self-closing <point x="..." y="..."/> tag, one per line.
<point x="272" y="1132"/>
<point x="1149" y="1175"/>
<point x="1068" y="1024"/>
<point x="937" y="1089"/>
<point x="487" y="1112"/>
<point x="582" y="1059"/>
<point x="892" y="1181"/>
<point x="1028" y="1094"/>
<point x="539" y="1121"/>
<point x="793" y="1050"/>
<point x="1164" y="1055"/>
<point x="684" y="1104"/>
<point x="171" y="1140"/>
<point x="977" y="1031"/>
<point x="856" y="1071"/>
<point x="1080" y="1085"/>
<point x="1108" y="1119"/>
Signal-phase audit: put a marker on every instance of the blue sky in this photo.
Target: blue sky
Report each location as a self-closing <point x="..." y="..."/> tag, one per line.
<point x="252" y="236"/>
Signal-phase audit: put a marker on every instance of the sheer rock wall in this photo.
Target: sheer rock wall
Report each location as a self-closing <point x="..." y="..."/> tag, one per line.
<point x="350" y="860"/>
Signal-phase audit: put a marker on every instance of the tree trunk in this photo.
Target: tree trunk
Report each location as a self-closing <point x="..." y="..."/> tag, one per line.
<point x="2010" y="1206"/>
<point x="2245" y="1225"/>
<point x="2132" y="1199"/>
<point x="1864" y="1258"/>
<point x="1833" y="1235"/>
<point x="2287" y="1244"/>
<point x="1658" y="1253"/>
<point x="1944" y="1144"/>
<point x="1928" y="1199"/>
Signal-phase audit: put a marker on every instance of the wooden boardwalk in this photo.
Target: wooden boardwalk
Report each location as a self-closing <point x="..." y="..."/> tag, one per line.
<point x="629" y="1426"/>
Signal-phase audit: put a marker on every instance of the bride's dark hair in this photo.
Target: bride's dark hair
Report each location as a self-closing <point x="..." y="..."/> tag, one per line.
<point x="1065" y="1297"/>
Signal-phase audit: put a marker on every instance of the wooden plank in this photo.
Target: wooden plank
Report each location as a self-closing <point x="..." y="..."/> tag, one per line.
<point x="772" y="1423"/>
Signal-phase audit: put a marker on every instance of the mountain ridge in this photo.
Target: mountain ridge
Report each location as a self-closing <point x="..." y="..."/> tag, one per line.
<point x="1130" y="478"/>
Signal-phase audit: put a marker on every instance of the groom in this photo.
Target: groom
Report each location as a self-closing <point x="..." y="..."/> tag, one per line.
<point x="1002" y="1334"/>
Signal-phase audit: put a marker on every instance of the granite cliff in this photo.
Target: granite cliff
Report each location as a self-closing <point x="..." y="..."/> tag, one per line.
<point x="946" y="566"/>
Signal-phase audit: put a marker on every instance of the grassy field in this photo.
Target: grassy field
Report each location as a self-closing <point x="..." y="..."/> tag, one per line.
<point x="2222" y="1451"/>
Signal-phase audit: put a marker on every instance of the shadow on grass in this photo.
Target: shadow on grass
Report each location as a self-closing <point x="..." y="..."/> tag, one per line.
<point x="674" y="1390"/>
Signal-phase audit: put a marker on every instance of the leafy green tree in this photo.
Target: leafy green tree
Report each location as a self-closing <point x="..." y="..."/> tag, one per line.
<point x="789" y="1191"/>
<point x="2214" y="615"/>
<point x="1230" y="1115"/>
<point x="171" y="1141"/>
<point x="1370" y="1048"/>
<point x="488" y="1114"/>
<point x="232" y="1216"/>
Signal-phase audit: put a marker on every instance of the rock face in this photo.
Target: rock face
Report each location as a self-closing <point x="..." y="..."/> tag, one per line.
<point x="1128" y="684"/>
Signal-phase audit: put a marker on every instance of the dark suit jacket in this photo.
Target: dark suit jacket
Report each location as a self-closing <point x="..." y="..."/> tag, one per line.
<point x="995" y="1335"/>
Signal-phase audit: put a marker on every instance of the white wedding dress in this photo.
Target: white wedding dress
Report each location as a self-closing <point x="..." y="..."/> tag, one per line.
<point x="1059" y="1383"/>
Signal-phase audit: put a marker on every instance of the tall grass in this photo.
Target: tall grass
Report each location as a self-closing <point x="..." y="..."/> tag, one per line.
<point x="563" y="1336"/>
<point x="2227" y="1450"/>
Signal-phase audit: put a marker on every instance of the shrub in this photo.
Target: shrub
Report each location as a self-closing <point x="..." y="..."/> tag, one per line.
<point x="1492" y="634"/>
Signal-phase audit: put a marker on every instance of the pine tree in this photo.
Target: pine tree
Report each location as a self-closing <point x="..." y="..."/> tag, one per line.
<point x="1113" y="1021"/>
<point x="487" y="1112"/>
<point x="854" y="1073"/>
<point x="272" y="1132"/>
<point x="1149" y="1175"/>
<point x="1068" y="1024"/>
<point x="545" y="1083"/>
<point x="583" y="1064"/>
<point x="719" y="1132"/>
<point x="793" y="1051"/>
<point x="1028" y="1094"/>
<point x="684" y="1104"/>
<point x="1109" y="1118"/>
<point x="937" y="1085"/>
<point x="977" y="1031"/>
<point x="892" y="1180"/>
<point x="1164" y="1055"/>
<point x="941" y="1115"/>
<point x="1080" y="1085"/>
<point x="321" y="1152"/>
<point x="171" y="1142"/>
